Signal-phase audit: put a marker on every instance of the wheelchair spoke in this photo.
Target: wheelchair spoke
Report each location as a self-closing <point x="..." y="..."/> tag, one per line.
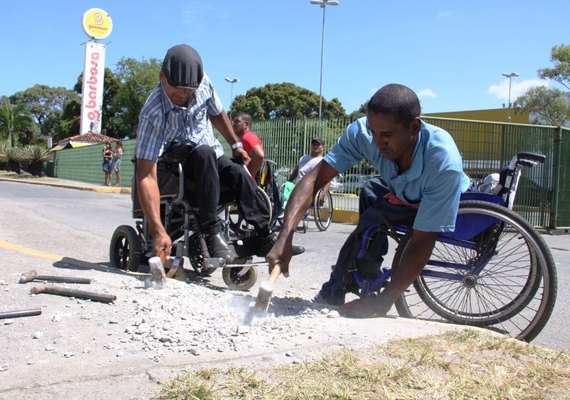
<point x="508" y="277"/>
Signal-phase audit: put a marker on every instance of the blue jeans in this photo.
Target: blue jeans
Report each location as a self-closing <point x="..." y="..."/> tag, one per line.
<point x="373" y="210"/>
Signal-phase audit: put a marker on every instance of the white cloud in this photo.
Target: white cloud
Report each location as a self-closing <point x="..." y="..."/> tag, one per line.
<point x="444" y="14"/>
<point x="501" y="90"/>
<point x="424" y="93"/>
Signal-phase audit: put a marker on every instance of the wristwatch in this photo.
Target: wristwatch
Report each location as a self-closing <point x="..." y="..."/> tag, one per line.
<point x="237" y="145"/>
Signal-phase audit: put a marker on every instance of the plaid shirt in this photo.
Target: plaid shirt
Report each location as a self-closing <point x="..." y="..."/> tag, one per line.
<point x="161" y="121"/>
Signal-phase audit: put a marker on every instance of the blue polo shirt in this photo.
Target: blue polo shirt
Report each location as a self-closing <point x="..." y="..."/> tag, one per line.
<point x="434" y="181"/>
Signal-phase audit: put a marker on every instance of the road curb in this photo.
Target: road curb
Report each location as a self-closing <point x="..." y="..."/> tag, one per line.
<point x="78" y="186"/>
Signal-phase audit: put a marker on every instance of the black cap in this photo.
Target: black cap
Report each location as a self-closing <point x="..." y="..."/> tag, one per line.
<point x="183" y="67"/>
<point x="319" y="140"/>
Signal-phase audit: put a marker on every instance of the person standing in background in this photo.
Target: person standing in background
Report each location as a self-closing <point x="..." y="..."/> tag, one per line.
<point x="117" y="162"/>
<point x="108" y="155"/>
<point x="251" y="143"/>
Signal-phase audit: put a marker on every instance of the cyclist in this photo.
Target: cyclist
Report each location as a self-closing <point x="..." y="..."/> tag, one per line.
<point x="421" y="179"/>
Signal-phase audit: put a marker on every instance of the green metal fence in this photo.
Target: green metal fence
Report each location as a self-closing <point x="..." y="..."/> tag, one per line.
<point x="85" y="163"/>
<point x="544" y="192"/>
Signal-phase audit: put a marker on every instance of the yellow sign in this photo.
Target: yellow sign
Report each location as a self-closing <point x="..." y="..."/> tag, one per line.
<point x="97" y="23"/>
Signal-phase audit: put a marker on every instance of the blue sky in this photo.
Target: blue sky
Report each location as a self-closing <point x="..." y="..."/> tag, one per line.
<point x="452" y="53"/>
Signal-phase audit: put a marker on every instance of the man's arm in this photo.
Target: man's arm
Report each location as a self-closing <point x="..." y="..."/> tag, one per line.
<point x="222" y="124"/>
<point x="297" y="204"/>
<point x="414" y="258"/>
<point x="149" y="197"/>
<point x="257" y="156"/>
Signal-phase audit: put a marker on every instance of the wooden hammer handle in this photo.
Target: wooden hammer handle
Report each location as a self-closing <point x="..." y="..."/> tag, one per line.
<point x="275" y="272"/>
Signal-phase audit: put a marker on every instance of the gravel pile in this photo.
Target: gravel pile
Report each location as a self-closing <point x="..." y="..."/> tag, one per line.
<point x="182" y="318"/>
<point x="190" y="318"/>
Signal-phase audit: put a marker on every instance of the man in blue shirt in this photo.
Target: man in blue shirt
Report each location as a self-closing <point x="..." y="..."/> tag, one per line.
<point x="421" y="179"/>
<point x="182" y="107"/>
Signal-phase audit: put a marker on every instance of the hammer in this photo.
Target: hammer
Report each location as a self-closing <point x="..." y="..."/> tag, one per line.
<point x="80" y="294"/>
<point x="33" y="275"/>
<point x="264" y="295"/>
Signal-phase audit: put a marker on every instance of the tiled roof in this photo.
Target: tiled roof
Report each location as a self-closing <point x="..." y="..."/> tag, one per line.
<point x="89" y="137"/>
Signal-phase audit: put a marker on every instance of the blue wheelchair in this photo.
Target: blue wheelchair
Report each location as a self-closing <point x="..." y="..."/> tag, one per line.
<point x="495" y="271"/>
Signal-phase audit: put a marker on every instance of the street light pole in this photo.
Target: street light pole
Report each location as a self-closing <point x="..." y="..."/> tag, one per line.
<point x="510" y="76"/>
<point x="323" y="4"/>
<point x="231" y="81"/>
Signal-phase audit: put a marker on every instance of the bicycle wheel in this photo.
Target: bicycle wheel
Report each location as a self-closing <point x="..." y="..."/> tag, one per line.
<point x="323" y="209"/>
<point x="514" y="291"/>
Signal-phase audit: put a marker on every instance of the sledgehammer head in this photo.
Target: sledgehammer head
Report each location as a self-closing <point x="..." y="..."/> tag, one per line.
<point x="263" y="296"/>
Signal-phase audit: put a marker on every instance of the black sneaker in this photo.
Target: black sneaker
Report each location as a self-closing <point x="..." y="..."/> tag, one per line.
<point x="266" y="243"/>
<point x="218" y="247"/>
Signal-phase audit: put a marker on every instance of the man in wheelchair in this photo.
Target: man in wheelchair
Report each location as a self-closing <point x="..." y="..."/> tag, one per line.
<point x="420" y="182"/>
<point x="181" y="109"/>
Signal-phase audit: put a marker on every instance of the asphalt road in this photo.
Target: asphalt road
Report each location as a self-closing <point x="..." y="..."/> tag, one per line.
<point x="40" y="224"/>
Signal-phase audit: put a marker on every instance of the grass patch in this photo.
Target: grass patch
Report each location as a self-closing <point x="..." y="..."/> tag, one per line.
<point x="455" y="365"/>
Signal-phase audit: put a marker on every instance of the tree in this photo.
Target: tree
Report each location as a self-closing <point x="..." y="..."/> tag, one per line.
<point x="16" y="123"/>
<point x="284" y="100"/>
<point x="545" y="105"/>
<point x="42" y="100"/>
<point x="361" y="112"/>
<point x="560" y="56"/>
<point x="136" y="80"/>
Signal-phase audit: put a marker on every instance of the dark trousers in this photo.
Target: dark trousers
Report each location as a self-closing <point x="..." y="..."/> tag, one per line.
<point x="373" y="210"/>
<point x="209" y="175"/>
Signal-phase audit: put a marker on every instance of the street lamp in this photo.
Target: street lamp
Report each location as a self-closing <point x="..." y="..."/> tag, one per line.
<point x="323" y="4"/>
<point x="510" y="76"/>
<point x="231" y="82"/>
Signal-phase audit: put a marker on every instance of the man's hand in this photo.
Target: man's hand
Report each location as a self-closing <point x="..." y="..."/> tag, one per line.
<point x="161" y="242"/>
<point x="240" y="152"/>
<point x="281" y="254"/>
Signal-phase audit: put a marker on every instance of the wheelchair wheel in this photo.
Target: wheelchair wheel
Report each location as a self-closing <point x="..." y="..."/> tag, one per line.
<point x="323" y="210"/>
<point x="126" y="249"/>
<point x="514" y="292"/>
<point x="240" y="278"/>
<point x="238" y="225"/>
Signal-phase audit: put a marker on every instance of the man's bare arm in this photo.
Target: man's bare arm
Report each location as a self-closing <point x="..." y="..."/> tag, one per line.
<point x="149" y="197"/>
<point x="223" y="124"/>
<point x="297" y="204"/>
<point x="257" y="156"/>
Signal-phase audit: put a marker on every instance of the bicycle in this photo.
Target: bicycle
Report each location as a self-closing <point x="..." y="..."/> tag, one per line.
<point x="495" y="271"/>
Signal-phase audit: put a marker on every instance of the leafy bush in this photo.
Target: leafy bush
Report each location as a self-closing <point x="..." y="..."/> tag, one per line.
<point x="11" y="158"/>
<point x="33" y="158"/>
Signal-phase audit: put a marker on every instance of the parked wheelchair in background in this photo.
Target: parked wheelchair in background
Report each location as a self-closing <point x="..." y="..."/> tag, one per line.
<point x="495" y="271"/>
<point x="130" y="247"/>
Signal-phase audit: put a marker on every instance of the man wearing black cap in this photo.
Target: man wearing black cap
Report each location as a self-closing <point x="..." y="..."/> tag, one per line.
<point x="309" y="161"/>
<point x="182" y="107"/>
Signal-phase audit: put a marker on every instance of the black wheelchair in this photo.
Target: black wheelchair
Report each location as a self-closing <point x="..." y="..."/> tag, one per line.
<point x="130" y="247"/>
<point x="495" y="271"/>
